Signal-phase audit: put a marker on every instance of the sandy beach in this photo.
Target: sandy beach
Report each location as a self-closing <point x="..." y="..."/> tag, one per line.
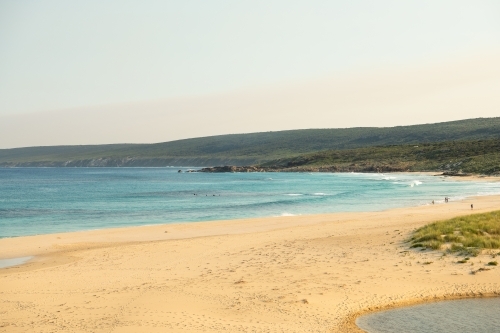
<point x="311" y="273"/>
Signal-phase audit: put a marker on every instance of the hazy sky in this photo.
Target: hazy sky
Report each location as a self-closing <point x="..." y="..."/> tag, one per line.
<point x="73" y="55"/>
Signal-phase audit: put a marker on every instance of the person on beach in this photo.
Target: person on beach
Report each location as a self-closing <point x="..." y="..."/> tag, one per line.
<point x="433" y="202"/>
<point x="471" y="206"/>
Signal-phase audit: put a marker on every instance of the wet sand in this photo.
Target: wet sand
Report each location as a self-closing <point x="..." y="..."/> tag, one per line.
<point x="285" y="274"/>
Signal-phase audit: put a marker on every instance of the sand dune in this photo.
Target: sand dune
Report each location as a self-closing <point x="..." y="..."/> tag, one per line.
<point x="284" y="274"/>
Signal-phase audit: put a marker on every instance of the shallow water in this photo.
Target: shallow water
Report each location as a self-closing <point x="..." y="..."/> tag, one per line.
<point x="49" y="200"/>
<point x="480" y="315"/>
<point x="13" y="261"/>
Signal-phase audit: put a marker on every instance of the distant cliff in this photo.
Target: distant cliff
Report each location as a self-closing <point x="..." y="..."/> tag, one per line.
<point x="131" y="162"/>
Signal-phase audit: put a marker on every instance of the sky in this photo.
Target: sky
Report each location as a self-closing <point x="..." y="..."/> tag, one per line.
<point x="96" y="72"/>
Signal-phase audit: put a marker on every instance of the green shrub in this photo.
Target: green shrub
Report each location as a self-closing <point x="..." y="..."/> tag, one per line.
<point x="465" y="235"/>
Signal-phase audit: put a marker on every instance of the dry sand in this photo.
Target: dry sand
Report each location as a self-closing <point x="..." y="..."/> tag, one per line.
<point x="286" y="274"/>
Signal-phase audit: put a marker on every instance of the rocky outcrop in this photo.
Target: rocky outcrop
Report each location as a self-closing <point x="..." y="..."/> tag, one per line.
<point x="330" y="168"/>
<point x="233" y="168"/>
<point x="455" y="174"/>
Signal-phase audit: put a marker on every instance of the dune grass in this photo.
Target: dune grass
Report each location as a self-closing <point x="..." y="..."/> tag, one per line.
<point x="466" y="235"/>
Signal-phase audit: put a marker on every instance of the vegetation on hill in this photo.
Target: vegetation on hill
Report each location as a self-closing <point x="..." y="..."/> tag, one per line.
<point x="247" y="149"/>
<point x="466" y="235"/>
<point x="478" y="157"/>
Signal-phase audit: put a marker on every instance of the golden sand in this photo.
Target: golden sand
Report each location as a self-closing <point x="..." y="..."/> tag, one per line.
<point x="285" y="274"/>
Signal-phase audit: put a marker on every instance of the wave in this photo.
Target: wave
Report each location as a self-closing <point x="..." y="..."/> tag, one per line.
<point x="415" y="183"/>
<point x="488" y="193"/>
<point x="384" y="177"/>
<point x="287" y="214"/>
<point x="294" y="194"/>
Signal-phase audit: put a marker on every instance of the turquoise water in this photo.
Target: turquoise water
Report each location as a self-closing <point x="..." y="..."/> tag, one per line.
<point x="48" y="200"/>
<point x="462" y="316"/>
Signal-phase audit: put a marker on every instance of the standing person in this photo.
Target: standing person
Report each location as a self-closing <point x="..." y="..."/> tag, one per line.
<point x="433" y="202"/>
<point x="471" y="206"/>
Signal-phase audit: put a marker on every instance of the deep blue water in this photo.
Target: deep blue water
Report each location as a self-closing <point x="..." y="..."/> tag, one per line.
<point x="48" y="200"/>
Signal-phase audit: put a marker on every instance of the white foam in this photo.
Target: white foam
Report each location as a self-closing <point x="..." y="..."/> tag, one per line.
<point x="488" y="193"/>
<point x="287" y="214"/>
<point x="415" y="183"/>
<point x="319" y="193"/>
<point x="294" y="194"/>
<point x="457" y="198"/>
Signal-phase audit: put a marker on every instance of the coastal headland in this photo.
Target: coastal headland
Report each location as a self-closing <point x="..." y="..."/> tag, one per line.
<point x="466" y="146"/>
<point x="312" y="273"/>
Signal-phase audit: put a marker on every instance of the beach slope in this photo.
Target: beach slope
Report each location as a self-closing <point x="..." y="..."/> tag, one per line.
<point x="285" y="274"/>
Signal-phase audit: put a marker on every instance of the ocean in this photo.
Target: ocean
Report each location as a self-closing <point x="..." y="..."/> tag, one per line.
<point x="49" y="200"/>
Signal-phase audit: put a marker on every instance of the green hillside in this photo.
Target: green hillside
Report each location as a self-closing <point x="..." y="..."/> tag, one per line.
<point x="472" y="156"/>
<point x="246" y="149"/>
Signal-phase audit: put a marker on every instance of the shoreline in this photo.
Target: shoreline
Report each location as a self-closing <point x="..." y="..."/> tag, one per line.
<point x="350" y="322"/>
<point x="294" y="274"/>
<point x="116" y="230"/>
<point x="472" y="178"/>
